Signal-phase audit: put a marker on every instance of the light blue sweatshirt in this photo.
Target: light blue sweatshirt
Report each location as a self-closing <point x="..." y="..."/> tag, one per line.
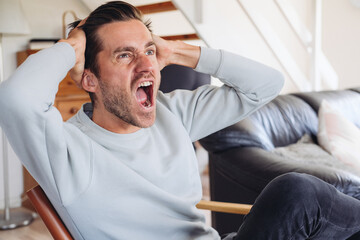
<point x="142" y="185"/>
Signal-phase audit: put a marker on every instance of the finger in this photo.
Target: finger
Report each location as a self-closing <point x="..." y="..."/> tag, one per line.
<point x="72" y="31"/>
<point x="82" y="22"/>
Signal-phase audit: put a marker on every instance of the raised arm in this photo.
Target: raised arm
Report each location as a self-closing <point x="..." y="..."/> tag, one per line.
<point x="33" y="125"/>
<point x="248" y="85"/>
<point x="77" y="40"/>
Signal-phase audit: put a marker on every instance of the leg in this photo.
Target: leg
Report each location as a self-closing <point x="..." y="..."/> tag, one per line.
<point x="355" y="237"/>
<point x="300" y="206"/>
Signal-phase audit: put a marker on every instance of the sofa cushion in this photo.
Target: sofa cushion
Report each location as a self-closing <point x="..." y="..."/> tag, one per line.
<point x="305" y="151"/>
<point x="339" y="136"/>
<point x="281" y="122"/>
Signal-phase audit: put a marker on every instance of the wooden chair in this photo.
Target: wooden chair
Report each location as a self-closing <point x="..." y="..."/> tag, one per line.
<point x="48" y="214"/>
<point x="59" y="231"/>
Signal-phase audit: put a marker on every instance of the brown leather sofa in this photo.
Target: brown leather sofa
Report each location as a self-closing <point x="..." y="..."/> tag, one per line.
<point x="242" y="159"/>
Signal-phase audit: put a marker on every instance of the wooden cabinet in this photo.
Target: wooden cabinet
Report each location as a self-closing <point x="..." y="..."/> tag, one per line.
<point x="68" y="101"/>
<point x="68" y="106"/>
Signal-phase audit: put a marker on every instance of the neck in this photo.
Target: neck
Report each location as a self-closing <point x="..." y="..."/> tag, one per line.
<point x="112" y="123"/>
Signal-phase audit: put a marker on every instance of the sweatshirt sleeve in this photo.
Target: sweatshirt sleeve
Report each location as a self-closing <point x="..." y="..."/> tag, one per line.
<point x="34" y="127"/>
<point x="248" y="85"/>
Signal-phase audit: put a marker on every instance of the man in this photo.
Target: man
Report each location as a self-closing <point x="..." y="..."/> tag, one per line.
<point x="124" y="166"/>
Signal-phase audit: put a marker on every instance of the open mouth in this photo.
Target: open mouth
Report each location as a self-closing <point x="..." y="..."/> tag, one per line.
<point x="144" y="94"/>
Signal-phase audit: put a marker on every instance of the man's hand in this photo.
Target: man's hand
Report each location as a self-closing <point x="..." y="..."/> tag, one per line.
<point x="163" y="51"/>
<point x="77" y="40"/>
<point x="176" y="52"/>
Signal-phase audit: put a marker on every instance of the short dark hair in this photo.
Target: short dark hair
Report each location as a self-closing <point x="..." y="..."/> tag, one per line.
<point x="109" y="12"/>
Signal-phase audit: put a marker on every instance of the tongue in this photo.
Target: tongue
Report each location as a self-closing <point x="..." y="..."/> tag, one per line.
<point x="141" y="95"/>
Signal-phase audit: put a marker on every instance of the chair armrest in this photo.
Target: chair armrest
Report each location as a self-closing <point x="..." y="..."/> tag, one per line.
<point x="224" y="207"/>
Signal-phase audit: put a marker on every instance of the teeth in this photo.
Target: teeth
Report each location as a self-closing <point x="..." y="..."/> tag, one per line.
<point x="147" y="103"/>
<point x="145" y="84"/>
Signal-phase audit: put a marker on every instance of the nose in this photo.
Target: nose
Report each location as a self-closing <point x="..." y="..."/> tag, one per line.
<point x="144" y="63"/>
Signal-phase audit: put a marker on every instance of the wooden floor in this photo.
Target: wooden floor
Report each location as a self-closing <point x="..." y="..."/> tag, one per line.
<point x="35" y="231"/>
<point x="38" y="231"/>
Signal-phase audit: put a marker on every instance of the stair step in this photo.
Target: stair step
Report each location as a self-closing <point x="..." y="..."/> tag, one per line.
<point x="157" y="7"/>
<point x="192" y="36"/>
<point x="167" y="7"/>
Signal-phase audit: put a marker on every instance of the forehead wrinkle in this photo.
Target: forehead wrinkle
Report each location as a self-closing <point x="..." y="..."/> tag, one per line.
<point x="132" y="49"/>
<point x="124" y="49"/>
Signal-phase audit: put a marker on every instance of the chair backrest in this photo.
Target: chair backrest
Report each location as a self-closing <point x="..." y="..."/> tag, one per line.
<point x="48" y="214"/>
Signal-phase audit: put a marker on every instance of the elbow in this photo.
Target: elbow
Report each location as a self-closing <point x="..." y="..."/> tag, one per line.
<point x="279" y="81"/>
<point x="5" y="93"/>
<point x="10" y="98"/>
<point x="275" y="82"/>
<point x="4" y="100"/>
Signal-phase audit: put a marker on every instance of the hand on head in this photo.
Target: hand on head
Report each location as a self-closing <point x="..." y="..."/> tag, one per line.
<point x="77" y="40"/>
<point x="175" y="52"/>
<point x="163" y="51"/>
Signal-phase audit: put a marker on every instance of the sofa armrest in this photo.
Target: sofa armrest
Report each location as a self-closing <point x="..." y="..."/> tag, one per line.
<point x="254" y="168"/>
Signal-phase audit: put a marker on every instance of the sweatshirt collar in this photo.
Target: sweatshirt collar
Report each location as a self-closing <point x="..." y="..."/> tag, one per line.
<point x="97" y="132"/>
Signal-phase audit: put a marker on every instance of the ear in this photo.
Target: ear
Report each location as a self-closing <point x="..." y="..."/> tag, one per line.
<point x="89" y="81"/>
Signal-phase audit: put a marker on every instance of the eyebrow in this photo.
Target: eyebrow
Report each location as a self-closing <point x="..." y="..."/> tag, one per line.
<point x="151" y="43"/>
<point x="132" y="49"/>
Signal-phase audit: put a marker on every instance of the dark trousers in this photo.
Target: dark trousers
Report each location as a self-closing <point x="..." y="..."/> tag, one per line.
<point x="300" y="206"/>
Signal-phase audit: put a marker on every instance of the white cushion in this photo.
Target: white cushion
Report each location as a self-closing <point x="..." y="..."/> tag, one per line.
<point x="338" y="136"/>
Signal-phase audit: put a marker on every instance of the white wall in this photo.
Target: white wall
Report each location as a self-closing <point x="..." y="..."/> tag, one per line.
<point x="45" y="21"/>
<point x="228" y="26"/>
<point x="341" y="40"/>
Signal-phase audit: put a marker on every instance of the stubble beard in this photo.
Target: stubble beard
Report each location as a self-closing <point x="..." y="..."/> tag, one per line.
<point x="118" y="102"/>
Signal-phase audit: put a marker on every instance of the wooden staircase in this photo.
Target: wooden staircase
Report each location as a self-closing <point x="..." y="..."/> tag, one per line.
<point x="166" y="7"/>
